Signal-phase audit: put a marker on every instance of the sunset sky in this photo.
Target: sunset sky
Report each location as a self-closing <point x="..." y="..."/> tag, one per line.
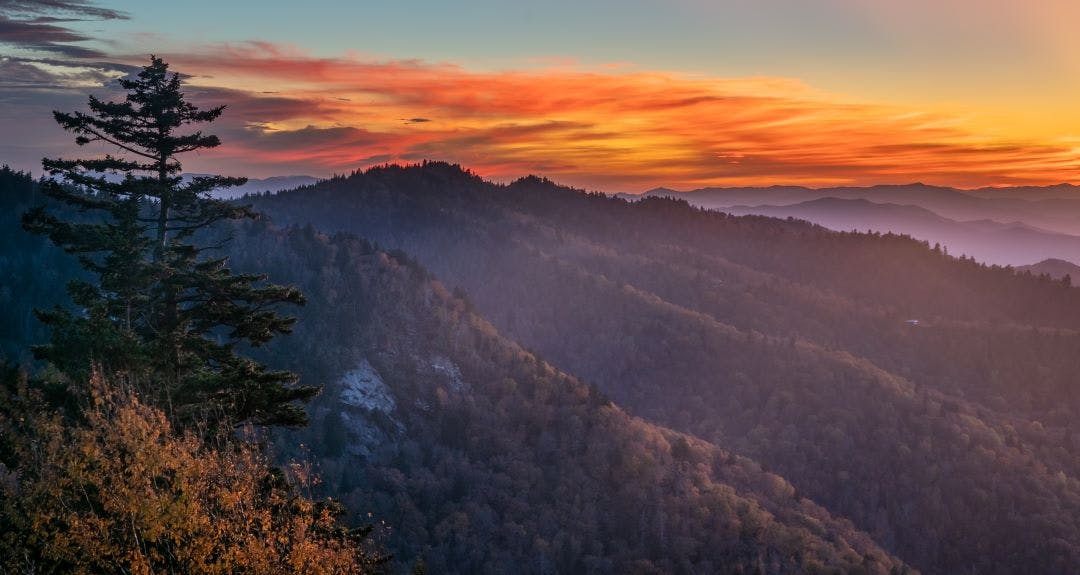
<point x="619" y="95"/>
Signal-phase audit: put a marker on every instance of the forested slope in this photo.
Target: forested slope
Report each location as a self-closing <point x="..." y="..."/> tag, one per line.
<point x="33" y="273"/>
<point x="475" y="455"/>
<point x="483" y="458"/>
<point x="950" y="439"/>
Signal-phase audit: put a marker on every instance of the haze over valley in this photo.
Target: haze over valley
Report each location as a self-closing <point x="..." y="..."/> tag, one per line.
<point x="1003" y="226"/>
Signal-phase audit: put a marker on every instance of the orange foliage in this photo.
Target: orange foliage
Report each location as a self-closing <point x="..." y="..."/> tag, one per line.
<point x="123" y="492"/>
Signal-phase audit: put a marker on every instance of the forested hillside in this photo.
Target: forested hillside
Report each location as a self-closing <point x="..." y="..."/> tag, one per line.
<point x="476" y="456"/>
<point x="928" y="399"/>
<point x="1054" y="268"/>
<point x="483" y="458"/>
<point x="925" y="398"/>
<point x="33" y="272"/>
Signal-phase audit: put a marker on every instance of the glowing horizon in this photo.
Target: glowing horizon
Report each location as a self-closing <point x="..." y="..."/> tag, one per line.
<point x="618" y="127"/>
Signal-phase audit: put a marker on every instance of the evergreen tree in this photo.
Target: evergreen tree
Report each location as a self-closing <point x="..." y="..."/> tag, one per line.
<point x="162" y="309"/>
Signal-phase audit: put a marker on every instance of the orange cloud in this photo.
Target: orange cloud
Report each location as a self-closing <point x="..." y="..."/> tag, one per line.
<point x="608" y="129"/>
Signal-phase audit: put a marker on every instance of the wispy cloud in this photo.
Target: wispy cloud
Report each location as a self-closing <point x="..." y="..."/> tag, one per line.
<point x="604" y="129"/>
<point x="54" y="10"/>
<point x="36" y="25"/>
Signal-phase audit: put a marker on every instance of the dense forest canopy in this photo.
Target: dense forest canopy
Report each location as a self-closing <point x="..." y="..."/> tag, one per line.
<point x="916" y="393"/>
<point x="490" y="459"/>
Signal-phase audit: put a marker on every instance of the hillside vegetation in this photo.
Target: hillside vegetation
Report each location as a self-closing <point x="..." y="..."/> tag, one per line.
<point x="927" y="398"/>
<point x="477" y="456"/>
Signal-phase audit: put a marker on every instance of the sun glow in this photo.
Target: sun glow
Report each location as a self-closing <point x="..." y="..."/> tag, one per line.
<point x="610" y="129"/>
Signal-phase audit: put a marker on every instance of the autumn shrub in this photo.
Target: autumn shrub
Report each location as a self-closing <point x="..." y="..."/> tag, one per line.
<point x="116" y="489"/>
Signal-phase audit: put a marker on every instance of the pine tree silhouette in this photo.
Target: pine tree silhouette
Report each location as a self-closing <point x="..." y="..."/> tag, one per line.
<point x="162" y="311"/>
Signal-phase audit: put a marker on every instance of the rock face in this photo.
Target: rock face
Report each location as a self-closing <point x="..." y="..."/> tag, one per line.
<point x="363" y="387"/>
<point x="449" y="370"/>
<point x="366" y="401"/>
<point x="370" y="411"/>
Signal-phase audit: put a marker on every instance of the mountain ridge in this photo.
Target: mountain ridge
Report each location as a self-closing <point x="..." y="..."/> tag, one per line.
<point x="748" y="330"/>
<point x="989" y="241"/>
<point x="475" y="455"/>
<point x="1055" y="268"/>
<point x="1053" y="208"/>
<point x="437" y="339"/>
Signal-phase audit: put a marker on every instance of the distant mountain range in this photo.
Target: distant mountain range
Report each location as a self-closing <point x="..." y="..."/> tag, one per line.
<point x="1004" y="243"/>
<point x="260" y="185"/>
<point x="272" y="184"/>
<point x="1055" y="192"/>
<point x="1006" y="226"/>
<point x="1056" y="208"/>
<point x="910" y="192"/>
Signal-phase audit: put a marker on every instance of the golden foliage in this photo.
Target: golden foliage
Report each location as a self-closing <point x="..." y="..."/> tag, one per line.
<point x="123" y="492"/>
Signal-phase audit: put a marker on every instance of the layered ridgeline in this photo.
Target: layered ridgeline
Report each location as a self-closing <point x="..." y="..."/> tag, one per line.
<point x="1052" y="208"/>
<point x="988" y="241"/>
<point x="1006" y="226"/>
<point x="480" y="457"/>
<point x="928" y="399"/>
